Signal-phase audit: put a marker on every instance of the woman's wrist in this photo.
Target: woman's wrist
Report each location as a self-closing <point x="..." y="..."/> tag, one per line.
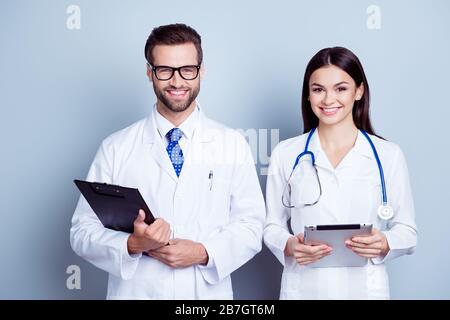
<point x="287" y="249"/>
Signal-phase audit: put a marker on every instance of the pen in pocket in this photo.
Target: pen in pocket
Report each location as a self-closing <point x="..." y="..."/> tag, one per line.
<point x="210" y="177"/>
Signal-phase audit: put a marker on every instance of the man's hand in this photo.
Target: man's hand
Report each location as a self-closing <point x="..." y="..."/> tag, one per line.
<point x="148" y="237"/>
<point x="181" y="253"/>
<point x="305" y="254"/>
<point x="371" y="246"/>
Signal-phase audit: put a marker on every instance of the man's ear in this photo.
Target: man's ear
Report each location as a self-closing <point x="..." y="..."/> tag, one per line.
<point x="149" y="72"/>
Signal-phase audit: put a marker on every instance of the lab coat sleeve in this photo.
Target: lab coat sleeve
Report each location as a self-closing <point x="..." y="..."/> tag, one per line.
<point x="104" y="248"/>
<point x="401" y="231"/>
<point x="232" y="245"/>
<point x="276" y="231"/>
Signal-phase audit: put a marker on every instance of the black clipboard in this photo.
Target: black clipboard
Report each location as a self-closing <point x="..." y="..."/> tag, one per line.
<point x="116" y="207"/>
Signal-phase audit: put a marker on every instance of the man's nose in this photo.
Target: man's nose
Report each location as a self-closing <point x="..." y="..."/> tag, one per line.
<point x="176" y="80"/>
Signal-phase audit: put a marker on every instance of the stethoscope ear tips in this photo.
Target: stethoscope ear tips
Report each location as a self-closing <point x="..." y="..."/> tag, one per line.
<point x="385" y="212"/>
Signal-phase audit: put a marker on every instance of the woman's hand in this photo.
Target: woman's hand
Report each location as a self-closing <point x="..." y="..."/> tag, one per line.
<point x="371" y="246"/>
<point x="305" y="254"/>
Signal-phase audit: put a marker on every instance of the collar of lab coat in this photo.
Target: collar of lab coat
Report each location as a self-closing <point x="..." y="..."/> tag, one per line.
<point x="151" y="133"/>
<point x="361" y="148"/>
<point x="187" y="127"/>
<point x="201" y="136"/>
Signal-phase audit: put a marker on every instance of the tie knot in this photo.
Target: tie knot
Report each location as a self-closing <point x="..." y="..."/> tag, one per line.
<point x="174" y="134"/>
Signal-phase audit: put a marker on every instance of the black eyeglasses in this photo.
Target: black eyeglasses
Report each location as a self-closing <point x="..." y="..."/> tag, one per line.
<point x="165" y="73"/>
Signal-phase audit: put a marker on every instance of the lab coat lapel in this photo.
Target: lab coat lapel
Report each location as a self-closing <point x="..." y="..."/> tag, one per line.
<point x="157" y="150"/>
<point x="199" y="152"/>
<point x="361" y="150"/>
<point x="320" y="156"/>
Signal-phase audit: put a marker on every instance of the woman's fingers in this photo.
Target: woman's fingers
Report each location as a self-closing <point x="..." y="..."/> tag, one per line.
<point x="311" y="250"/>
<point x="366" y="251"/>
<point x="317" y="254"/>
<point x="304" y="260"/>
<point x="373" y="245"/>
<point x="376" y="237"/>
<point x="368" y="255"/>
<point x="322" y="252"/>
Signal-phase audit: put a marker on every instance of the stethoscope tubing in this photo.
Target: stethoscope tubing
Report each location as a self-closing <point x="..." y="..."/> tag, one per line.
<point x="375" y="153"/>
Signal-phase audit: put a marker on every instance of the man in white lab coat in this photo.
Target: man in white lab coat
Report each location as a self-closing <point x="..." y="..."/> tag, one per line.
<point x="198" y="178"/>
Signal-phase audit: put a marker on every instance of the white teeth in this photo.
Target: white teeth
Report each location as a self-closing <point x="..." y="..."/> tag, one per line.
<point x="177" y="92"/>
<point x="329" y="109"/>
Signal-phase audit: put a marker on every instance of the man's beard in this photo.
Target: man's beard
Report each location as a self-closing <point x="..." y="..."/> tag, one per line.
<point x="177" y="106"/>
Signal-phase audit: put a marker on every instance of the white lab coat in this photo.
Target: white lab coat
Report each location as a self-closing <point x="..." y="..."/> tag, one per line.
<point x="351" y="193"/>
<point x="226" y="213"/>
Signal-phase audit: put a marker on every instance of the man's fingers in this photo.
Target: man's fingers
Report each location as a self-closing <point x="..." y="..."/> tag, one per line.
<point x="140" y="217"/>
<point x="151" y="233"/>
<point x="164" y="240"/>
<point x="158" y="254"/>
<point x="159" y="225"/>
<point x="156" y="229"/>
<point x="162" y="250"/>
<point x="158" y="257"/>
<point x="167" y="237"/>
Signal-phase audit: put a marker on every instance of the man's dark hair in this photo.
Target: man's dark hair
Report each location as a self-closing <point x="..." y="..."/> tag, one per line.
<point x="173" y="34"/>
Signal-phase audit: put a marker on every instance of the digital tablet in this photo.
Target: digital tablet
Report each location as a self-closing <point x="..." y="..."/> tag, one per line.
<point x="335" y="236"/>
<point x="116" y="207"/>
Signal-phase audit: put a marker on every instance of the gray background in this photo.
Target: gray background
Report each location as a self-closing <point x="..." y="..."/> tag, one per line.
<point x="63" y="91"/>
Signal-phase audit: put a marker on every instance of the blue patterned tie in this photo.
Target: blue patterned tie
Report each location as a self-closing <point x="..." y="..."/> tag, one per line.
<point x="174" y="149"/>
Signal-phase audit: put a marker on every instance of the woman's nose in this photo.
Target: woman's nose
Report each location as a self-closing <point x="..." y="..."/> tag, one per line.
<point x="329" y="98"/>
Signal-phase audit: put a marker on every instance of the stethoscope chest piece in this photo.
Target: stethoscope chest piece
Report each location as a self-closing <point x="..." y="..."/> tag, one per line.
<point x="385" y="212"/>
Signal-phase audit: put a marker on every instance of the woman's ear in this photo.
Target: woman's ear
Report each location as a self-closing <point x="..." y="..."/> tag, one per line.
<point x="359" y="92"/>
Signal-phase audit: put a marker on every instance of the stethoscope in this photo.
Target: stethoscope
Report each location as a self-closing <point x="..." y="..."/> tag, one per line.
<point x="385" y="211"/>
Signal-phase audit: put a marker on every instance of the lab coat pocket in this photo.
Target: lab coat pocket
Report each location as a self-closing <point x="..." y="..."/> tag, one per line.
<point x="301" y="284"/>
<point x="377" y="282"/>
<point x="216" y="201"/>
<point x="290" y="284"/>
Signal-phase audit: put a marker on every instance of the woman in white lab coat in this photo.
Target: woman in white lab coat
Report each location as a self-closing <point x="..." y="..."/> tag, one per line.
<point x="335" y="100"/>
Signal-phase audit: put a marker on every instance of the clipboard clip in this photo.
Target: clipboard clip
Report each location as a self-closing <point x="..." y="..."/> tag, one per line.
<point x="107" y="189"/>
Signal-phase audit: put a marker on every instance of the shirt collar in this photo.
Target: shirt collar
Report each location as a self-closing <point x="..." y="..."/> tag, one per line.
<point x="361" y="147"/>
<point x="187" y="126"/>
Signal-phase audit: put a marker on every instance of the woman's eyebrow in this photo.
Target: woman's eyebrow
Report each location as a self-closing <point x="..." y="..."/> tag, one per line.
<point x="342" y="82"/>
<point x="336" y="85"/>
